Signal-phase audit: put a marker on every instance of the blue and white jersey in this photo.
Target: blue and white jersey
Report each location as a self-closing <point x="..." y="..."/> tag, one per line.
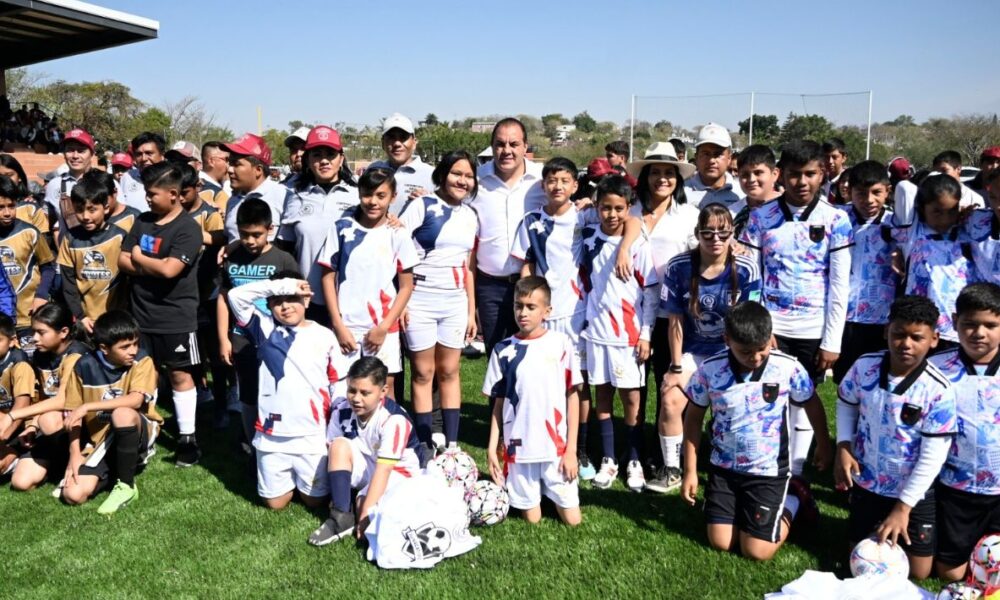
<point x="366" y="261"/>
<point x="444" y="234"/>
<point x="738" y="282"/>
<point x="300" y="367"/>
<point x="895" y="414"/>
<point x="552" y="244"/>
<point x="386" y="437"/>
<point x="750" y="410"/>
<point x="973" y="463"/>
<point x="873" y="282"/>
<point x="795" y="255"/>
<point x="984" y="229"/>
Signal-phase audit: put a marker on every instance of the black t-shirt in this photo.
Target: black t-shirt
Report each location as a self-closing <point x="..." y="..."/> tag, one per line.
<point x="166" y="305"/>
<point x="241" y="267"/>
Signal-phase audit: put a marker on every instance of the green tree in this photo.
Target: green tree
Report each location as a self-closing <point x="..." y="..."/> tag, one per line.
<point x="152" y="119"/>
<point x="437" y="140"/>
<point x="805" y="127"/>
<point x="104" y="108"/>
<point x="585" y="123"/>
<point x="765" y="128"/>
<point x="431" y="119"/>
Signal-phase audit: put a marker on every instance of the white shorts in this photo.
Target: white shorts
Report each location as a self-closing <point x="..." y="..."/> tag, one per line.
<point x="363" y="467"/>
<point x="616" y="365"/>
<point x="690" y="362"/>
<point x="437" y="319"/>
<point x="571" y="326"/>
<point x="388" y="353"/>
<point x="526" y="482"/>
<point x="279" y="473"/>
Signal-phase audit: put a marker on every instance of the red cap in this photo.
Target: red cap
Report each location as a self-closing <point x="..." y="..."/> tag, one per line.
<point x="323" y="136"/>
<point x="81" y="136"/>
<point x="991" y="152"/>
<point x="120" y="159"/>
<point x="250" y="145"/>
<point x="899" y="168"/>
<point x="599" y="167"/>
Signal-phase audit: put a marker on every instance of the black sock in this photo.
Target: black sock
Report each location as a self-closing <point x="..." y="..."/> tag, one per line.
<point x="127" y="451"/>
<point x="581" y="440"/>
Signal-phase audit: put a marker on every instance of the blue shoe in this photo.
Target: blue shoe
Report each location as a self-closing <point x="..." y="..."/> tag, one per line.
<point x="587" y="470"/>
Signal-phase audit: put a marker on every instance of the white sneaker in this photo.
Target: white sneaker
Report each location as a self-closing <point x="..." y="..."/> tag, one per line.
<point x="607" y="474"/>
<point x="439" y="442"/>
<point x="635" y="479"/>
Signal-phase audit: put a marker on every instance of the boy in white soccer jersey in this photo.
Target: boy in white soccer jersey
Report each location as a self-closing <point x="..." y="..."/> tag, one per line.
<point x="372" y="447"/>
<point x="620" y="317"/>
<point x="300" y="367"/>
<point x="536" y="409"/>
<point x="750" y="502"/>
<point x="361" y="257"/>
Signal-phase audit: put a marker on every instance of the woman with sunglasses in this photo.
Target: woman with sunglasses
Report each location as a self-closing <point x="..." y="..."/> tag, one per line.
<point x="699" y="287"/>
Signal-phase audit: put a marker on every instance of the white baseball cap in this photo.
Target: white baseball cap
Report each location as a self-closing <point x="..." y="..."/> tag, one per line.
<point x="713" y="133"/>
<point x="302" y="133"/>
<point x="397" y="121"/>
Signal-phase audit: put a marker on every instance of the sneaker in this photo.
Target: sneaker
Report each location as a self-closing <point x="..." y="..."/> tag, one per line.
<point x="120" y="495"/>
<point x="665" y="480"/>
<point x="188" y="454"/>
<point x="635" y="479"/>
<point x="57" y="491"/>
<point x="607" y="475"/>
<point x="587" y="470"/>
<point x="808" y="513"/>
<point x="233" y="400"/>
<point x="339" y="525"/>
<point x="440" y="443"/>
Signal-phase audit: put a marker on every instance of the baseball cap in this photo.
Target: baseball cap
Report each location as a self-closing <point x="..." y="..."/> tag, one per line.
<point x="299" y="134"/>
<point x="120" y="159"/>
<point x="713" y="133"/>
<point x="182" y="150"/>
<point x="323" y="136"/>
<point x="81" y="136"/>
<point x="899" y="168"/>
<point x="991" y="152"/>
<point x="250" y="145"/>
<point x="599" y="167"/>
<point x="397" y="121"/>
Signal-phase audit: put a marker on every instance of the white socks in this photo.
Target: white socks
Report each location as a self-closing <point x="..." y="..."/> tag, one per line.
<point x="801" y="438"/>
<point x="186" y="404"/>
<point x="670" y="445"/>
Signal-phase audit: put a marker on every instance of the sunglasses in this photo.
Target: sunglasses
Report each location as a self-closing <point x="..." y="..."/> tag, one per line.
<point x="708" y="234"/>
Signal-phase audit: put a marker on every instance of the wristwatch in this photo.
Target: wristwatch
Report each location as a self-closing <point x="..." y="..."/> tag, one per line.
<point x="675" y="369"/>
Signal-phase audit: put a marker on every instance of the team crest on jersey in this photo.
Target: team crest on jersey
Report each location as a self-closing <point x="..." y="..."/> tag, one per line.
<point x="10" y="262"/>
<point x="910" y="414"/>
<point x="6" y="403"/>
<point x="426" y="541"/>
<point x="770" y="392"/>
<point x="111" y="393"/>
<point x="51" y="385"/>
<point x="307" y="209"/>
<point x="95" y="266"/>
<point x="817" y="233"/>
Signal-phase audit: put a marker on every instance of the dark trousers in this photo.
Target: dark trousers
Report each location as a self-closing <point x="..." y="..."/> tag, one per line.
<point x="495" y="305"/>
<point x="658" y="364"/>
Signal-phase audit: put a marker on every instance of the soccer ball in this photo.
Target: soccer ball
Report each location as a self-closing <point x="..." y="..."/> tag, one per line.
<point x="959" y="590"/>
<point x="872" y="558"/>
<point x="984" y="564"/>
<point x="457" y="468"/>
<point x="488" y="503"/>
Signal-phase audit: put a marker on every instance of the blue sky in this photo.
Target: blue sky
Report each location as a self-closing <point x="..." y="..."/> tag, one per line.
<point x="329" y="61"/>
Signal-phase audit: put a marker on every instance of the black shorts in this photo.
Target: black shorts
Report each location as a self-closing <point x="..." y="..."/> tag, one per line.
<point x="50" y="451"/>
<point x="868" y="509"/>
<point x="962" y="519"/>
<point x="247" y="369"/>
<point x="101" y="463"/>
<point x="752" y="502"/>
<point x="172" y="351"/>
<point x="859" y="338"/>
<point x="804" y="351"/>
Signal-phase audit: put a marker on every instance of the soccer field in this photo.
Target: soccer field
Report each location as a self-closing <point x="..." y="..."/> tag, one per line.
<point x="201" y="532"/>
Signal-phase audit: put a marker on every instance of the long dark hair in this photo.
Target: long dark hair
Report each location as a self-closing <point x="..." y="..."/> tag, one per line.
<point x="646" y="198"/>
<point x="447" y="162"/>
<point x="707" y="214"/>
<point x="306" y="177"/>
<point x="7" y="161"/>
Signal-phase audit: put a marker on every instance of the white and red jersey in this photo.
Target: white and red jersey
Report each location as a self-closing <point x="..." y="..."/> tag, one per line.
<point x="619" y="313"/>
<point x="551" y="244"/>
<point x="365" y="262"/>
<point x="387" y="437"/>
<point x="444" y="235"/>
<point x="532" y="377"/>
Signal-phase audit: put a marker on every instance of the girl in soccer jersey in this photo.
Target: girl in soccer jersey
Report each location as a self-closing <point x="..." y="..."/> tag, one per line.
<point x="699" y="287"/>
<point x="440" y="319"/>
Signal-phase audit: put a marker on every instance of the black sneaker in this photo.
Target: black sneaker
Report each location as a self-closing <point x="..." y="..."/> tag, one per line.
<point x="339" y="525"/>
<point x="188" y="454"/>
<point x="664" y="480"/>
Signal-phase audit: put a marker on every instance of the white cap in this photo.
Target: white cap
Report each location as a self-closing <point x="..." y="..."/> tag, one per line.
<point x="302" y="133"/>
<point x="713" y="133"/>
<point x="397" y="121"/>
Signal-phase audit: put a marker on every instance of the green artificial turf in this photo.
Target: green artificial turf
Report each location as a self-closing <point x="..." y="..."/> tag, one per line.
<point x="202" y="532"/>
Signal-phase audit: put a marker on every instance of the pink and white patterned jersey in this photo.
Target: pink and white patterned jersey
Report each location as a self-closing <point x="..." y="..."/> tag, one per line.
<point x="532" y="377"/>
<point x="750" y="411"/>
<point x="619" y="313"/>
<point x="973" y="463"/>
<point x="873" y="282"/>
<point x="984" y="229"/>
<point x="894" y="417"/>
<point x="365" y="262"/>
<point x="387" y="437"/>
<point x="444" y="234"/>
<point x="551" y="243"/>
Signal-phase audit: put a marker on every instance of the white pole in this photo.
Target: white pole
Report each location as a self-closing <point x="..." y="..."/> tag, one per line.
<point x="868" y="143"/>
<point x="631" y="130"/>
<point x="750" y="140"/>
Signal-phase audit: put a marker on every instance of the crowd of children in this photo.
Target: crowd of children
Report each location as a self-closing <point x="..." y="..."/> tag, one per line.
<point x="738" y="293"/>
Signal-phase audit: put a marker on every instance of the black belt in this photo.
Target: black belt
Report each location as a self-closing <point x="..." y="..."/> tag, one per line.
<point x="506" y="278"/>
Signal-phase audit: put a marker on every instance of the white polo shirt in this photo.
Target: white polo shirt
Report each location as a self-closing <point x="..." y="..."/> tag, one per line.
<point x="414" y="175"/>
<point x="500" y="210"/>
<point x="269" y="191"/>
<point x="131" y="192"/>
<point x="62" y="183"/>
<point x="698" y="194"/>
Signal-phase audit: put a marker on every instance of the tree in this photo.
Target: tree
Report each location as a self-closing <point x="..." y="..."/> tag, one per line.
<point x="805" y="127"/>
<point x="152" y="119"/>
<point x="191" y="121"/>
<point x="585" y="123"/>
<point x="551" y="121"/>
<point x="21" y="86"/>
<point x="104" y="108"/>
<point x="431" y="119"/>
<point x="765" y="128"/>
<point x="437" y="140"/>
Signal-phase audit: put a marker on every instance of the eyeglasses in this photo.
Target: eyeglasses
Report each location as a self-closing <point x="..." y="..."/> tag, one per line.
<point x="709" y="234"/>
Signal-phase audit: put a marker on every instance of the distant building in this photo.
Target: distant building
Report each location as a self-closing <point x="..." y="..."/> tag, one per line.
<point x="562" y="133"/>
<point x="482" y="126"/>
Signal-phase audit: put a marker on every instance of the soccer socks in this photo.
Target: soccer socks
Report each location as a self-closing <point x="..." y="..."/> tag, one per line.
<point x="186" y="404"/>
<point x="792" y="506"/>
<point x="801" y="439"/>
<point x="670" y="446"/>
<point x="127" y="451"/>
<point x="424" y="422"/>
<point x="581" y="439"/>
<point x="607" y="437"/>
<point x="340" y="490"/>
<point x="248" y="416"/>
<point x="634" y="436"/>
<point x="451" y="418"/>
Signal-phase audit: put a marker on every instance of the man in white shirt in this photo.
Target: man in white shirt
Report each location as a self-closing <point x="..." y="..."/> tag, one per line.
<point x="78" y="151"/>
<point x="147" y="150"/>
<point x="712" y="184"/>
<point x="249" y="167"/>
<point x="296" y="144"/>
<point x="509" y="187"/>
<point x="215" y="175"/>
<point x="413" y="176"/>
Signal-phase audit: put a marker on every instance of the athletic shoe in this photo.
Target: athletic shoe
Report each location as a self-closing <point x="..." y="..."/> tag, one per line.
<point x="339" y="525"/>
<point x="607" y="475"/>
<point x="233" y="400"/>
<point x="635" y="479"/>
<point x="120" y="495"/>
<point x="587" y="470"/>
<point x="440" y="442"/>
<point x="808" y="513"/>
<point x="665" y="480"/>
<point x="188" y="453"/>
<point x="57" y="491"/>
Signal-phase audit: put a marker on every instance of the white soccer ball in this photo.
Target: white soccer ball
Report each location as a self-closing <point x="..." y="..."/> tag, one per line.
<point x="457" y="468"/>
<point x="872" y="558"/>
<point x="959" y="590"/>
<point x="488" y="503"/>
<point x="984" y="563"/>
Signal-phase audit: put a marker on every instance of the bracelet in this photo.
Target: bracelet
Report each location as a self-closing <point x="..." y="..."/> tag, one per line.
<point x="675" y="369"/>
